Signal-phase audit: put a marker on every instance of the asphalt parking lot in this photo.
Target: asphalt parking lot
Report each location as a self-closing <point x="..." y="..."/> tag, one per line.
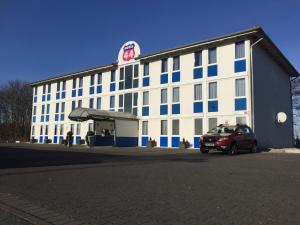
<point x="55" y="185"/>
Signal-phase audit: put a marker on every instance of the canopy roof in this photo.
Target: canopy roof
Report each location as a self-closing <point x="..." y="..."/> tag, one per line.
<point x="83" y="114"/>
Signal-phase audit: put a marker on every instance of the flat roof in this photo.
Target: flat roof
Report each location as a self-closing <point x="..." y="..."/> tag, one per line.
<point x="254" y="34"/>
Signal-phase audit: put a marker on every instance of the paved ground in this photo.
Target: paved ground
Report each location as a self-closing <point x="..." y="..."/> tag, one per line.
<point x="139" y="186"/>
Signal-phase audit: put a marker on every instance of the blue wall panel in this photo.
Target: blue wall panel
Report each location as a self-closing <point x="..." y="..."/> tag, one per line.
<point x="73" y="93"/>
<point x="198" y="73"/>
<point x="56" y="117"/>
<point x="80" y="92"/>
<point x="55" y="139"/>
<point x="240" y="104"/>
<point x="145" y="111"/>
<point x="176" y="108"/>
<point x="48" y="97"/>
<point x="175" y="142"/>
<point x="127" y="141"/>
<point x="164" y="78"/>
<point x="35" y="99"/>
<point x="99" y="89"/>
<point x="146" y="81"/>
<point x="112" y="87"/>
<point x="63" y="94"/>
<point x="213" y="106"/>
<point x="240" y="66"/>
<point x="163" y="141"/>
<point x="212" y="70"/>
<point x="198" y="107"/>
<point x="145" y="140"/>
<point x="62" y="117"/>
<point x="57" y="95"/>
<point x="92" y="90"/>
<point x="44" y="98"/>
<point x="176" y="76"/>
<point x="164" y="110"/>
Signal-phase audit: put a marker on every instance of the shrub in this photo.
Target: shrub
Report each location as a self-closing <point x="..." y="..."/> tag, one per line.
<point x="48" y="141"/>
<point x="64" y="141"/>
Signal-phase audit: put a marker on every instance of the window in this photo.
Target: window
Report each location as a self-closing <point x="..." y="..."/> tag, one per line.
<point x="99" y="103"/>
<point x="74" y="83"/>
<point x="55" y="129"/>
<point x="146" y="98"/>
<point x="48" y="109"/>
<point x="135" y="103"/>
<point x="44" y="89"/>
<point x="41" y="130"/>
<point x="91" y="127"/>
<point x="92" y="80"/>
<point x="212" y="55"/>
<point x="99" y="78"/>
<point x="33" y="130"/>
<point x="175" y="127"/>
<point x="57" y="108"/>
<point x="112" y="102"/>
<point x="121" y="103"/>
<point x="198" y="123"/>
<point x="213" y="94"/>
<point x="145" y="128"/>
<point x="240" y="50"/>
<point x="78" y="129"/>
<point x="164" y="127"/>
<point x="57" y="86"/>
<point x="175" y="96"/>
<point x="46" y="129"/>
<point x="79" y="103"/>
<point x="62" y="107"/>
<point x="73" y="105"/>
<point x="240" y="87"/>
<point x="136" y="76"/>
<point x="121" y="79"/>
<point x="241" y="120"/>
<point x="212" y="123"/>
<point x="198" y="58"/>
<point x="164" y="65"/>
<point x="35" y="91"/>
<point x="91" y="105"/>
<point x="113" y="76"/>
<point x="61" y="129"/>
<point x="198" y="92"/>
<point x="43" y="109"/>
<point x="64" y="85"/>
<point x="146" y="69"/>
<point x="80" y="82"/>
<point x="164" y="96"/>
<point x="72" y="128"/>
<point x="34" y="110"/>
<point x="176" y="63"/>
<point x="49" y="88"/>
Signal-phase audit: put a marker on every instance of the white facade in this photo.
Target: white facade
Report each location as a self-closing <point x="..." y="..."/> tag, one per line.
<point x="233" y="106"/>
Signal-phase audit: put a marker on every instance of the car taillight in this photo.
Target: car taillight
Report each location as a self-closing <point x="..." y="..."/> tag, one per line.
<point x="223" y="138"/>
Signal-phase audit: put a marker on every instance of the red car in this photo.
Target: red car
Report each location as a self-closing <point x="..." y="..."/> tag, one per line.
<point x="229" y="138"/>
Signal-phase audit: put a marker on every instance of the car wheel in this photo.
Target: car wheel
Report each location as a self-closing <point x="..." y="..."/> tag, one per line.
<point x="254" y="148"/>
<point x="233" y="149"/>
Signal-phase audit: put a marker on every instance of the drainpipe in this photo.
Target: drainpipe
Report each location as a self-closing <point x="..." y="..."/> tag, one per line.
<point x="252" y="83"/>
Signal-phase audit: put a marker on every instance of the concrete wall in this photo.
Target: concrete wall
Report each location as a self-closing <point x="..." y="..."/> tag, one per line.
<point x="271" y="95"/>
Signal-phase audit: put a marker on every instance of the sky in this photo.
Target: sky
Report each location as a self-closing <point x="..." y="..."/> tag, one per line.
<point x="44" y="38"/>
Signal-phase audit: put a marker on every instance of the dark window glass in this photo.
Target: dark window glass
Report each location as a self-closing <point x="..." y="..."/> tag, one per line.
<point x="113" y="76"/>
<point x="121" y="101"/>
<point x="99" y="78"/>
<point x="80" y="82"/>
<point x="135" y="99"/>
<point x="122" y="73"/>
<point x="58" y="86"/>
<point x="136" y="70"/>
<point x="146" y="69"/>
<point x="212" y="55"/>
<point x="92" y="81"/>
<point x="198" y="58"/>
<point x="64" y="85"/>
<point x="128" y="76"/>
<point x="121" y="85"/>
<point x="164" y="65"/>
<point x="135" y="83"/>
<point x="74" y="83"/>
<point x="176" y="63"/>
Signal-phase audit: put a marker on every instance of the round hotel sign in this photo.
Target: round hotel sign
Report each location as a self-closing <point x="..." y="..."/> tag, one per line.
<point x="128" y="52"/>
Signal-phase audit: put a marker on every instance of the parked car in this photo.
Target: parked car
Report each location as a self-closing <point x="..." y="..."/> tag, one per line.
<point x="229" y="138"/>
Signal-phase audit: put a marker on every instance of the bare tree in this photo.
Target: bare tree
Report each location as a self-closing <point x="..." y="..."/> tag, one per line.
<point x="296" y="107"/>
<point x="15" y="111"/>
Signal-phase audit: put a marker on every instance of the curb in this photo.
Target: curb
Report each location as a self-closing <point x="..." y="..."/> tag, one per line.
<point x="289" y="151"/>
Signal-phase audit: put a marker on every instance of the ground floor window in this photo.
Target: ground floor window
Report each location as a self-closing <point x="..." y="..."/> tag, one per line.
<point x="212" y="123"/>
<point x="241" y="120"/>
<point x="145" y="128"/>
<point x="198" y="126"/>
<point x="91" y="127"/>
<point x="175" y="127"/>
<point x="164" y="127"/>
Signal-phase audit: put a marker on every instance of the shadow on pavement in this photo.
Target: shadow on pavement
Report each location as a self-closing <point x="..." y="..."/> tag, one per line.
<point x="26" y="157"/>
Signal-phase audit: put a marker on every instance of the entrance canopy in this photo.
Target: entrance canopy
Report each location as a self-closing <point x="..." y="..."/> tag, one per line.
<point x="83" y="114"/>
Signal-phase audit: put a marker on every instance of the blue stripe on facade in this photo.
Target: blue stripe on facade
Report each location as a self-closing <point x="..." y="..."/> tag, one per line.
<point x="92" y="90"/>
<point x="163" y="141"/>
<point x="73" y="93"/>
<point x="176" y="76"/>
<point x="34" y="119"/>
<point x="80" y="92"/>
<point x="163" y="109"/>
<point x="41" y="140"/>
<point x="127" y="141"/>
<point x="112" y="87"/>
<point x="212" y="70"/>
<point x="55" y="139"/>
<point x="146" y="81"/>
<point x="240" y="66"/>
<point x="42" y="118"/>
<point x="48" y="97"/>
<point x="63" y="94"/>
<point x="213" y="106"/>
<point x="43" y="98"/>
<point x="175" y="142"/>
<point x="35" y="99"/>
<point x="62" y="117"/>
<point x="78" y="138"/>
<point x="240" y="104"/>
<point x="47" y="118"/>
<point x="176" y="108"/>
<point x="164" y="78"/>
<point x="57" y="95"/>
<point x="99" y="89"/>
<point x="198" y="73"/>
<point x="145" y="111"/>
<point x="198" y="107"/>
<point x="56" y="117"/>
<point x="196" y="142"/>
<point x="145" y="140"/>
